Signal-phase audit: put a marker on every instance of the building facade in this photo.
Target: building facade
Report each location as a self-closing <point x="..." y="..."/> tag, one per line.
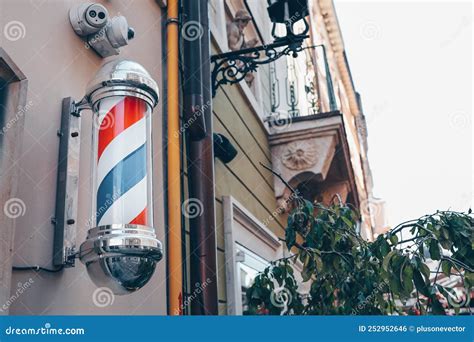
<point x="301" y="117"/>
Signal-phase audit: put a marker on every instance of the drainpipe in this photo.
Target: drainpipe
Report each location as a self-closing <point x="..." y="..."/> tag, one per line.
<point x="201" y="161"/>
<point x="175" y="276"/>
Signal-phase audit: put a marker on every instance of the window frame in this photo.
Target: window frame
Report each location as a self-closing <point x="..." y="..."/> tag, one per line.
<point x="14" y="108"/>
<point x="237" y="217"/>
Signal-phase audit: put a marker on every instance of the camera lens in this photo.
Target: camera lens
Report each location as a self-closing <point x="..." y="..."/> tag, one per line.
<point x="92" y="14"/>
<point x="101" y="15"/>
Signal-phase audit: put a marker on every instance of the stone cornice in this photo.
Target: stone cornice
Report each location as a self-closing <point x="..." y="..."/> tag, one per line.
<point x="336" y="42"/>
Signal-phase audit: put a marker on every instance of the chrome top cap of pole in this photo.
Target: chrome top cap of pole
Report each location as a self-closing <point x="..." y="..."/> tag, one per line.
<point x="122" y="77"/>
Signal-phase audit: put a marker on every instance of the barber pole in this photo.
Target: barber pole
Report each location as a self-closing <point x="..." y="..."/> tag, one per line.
<point x="121" y="249"/>
<point x="122" y="163"/>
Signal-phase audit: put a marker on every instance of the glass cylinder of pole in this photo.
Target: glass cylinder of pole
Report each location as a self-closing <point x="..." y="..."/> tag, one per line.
<point x="121" y="174"/>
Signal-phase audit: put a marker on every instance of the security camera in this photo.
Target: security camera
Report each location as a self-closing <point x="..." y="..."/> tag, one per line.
<point x="116" y="34"/>
<point x="88" y="18"/>
<point x="103" y="34"/>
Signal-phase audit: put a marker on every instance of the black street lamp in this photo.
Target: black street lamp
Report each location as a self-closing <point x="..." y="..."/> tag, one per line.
<point x="232" y="67"/>
<point x="287" y="12"/>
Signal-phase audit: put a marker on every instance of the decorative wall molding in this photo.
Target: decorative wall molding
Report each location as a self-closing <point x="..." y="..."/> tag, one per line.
<point x="300" y="155"/>
<point x="306" y="150"/>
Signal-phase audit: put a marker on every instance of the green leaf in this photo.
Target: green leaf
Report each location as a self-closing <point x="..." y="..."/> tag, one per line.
<point x="347" y="221"/>
<point x="426" y="272"/>
<point x="387" y="258"/>
<point x="308" y="268"/>
<point x="309" y="208"/>
<point x="384" y="247"/>
<point x="434" y="250"/>
<point x="408" y="279"/>
<point x="420" y="283"/>
<point x="469" y="278"/>
<point x="437" y="306"/>
<point x="319" y="262"/>
<point x="256" y="293"/>
<point x="394" y="239"/>
<point x="302" y="256"/>
<point x="446" y="267"/>
<point x="394" y="283"/>
<point x="290" y="237"/>
<point x="307" y="260"/>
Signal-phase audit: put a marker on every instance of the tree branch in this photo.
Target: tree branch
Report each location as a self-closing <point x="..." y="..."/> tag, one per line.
<point x="280" y="177"/>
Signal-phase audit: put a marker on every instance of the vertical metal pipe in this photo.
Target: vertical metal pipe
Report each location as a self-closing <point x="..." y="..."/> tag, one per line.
<point x="192" y="36"/>
<point x="174" y="248"/>
<point x="332" y="98"/>
<point x="201" y="172"/>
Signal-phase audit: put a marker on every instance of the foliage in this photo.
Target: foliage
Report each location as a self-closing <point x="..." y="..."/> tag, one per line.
<point x="346" y="274"/>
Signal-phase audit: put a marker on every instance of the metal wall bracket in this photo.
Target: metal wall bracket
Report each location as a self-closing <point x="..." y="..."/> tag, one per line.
<point x="232" y="67"/>
<point x="65" y="220"/>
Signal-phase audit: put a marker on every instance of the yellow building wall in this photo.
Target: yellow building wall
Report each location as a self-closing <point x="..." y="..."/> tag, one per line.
<point x="243" y="178"/>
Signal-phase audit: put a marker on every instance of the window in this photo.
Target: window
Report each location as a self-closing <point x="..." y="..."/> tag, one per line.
<point x="249" y="266"/>
<point x="249" y="247"/>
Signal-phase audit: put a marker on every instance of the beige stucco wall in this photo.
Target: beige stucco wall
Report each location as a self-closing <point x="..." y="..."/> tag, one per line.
<point x="58" y="65"/>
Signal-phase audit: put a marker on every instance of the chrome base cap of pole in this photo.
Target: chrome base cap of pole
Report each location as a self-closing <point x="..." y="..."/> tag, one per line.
<point x="121" y="257"/>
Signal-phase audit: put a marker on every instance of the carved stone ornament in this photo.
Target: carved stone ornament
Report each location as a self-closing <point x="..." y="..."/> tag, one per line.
<point x="300" y="155"/>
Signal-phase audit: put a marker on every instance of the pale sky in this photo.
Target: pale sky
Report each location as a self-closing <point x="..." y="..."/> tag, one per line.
<point x="412" y="64"/>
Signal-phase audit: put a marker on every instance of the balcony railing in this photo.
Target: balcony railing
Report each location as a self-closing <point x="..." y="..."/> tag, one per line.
<point x="307" y="88"/>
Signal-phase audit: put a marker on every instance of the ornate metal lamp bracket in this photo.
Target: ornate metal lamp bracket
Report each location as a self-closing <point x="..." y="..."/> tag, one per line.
<point x="231" y="67"/>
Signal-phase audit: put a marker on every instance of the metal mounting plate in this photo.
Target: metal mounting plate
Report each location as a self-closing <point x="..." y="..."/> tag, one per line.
<point x="65" y="220"/>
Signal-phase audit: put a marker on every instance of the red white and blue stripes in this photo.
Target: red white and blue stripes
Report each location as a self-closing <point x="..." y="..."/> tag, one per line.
<point x="122" y="190"/>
